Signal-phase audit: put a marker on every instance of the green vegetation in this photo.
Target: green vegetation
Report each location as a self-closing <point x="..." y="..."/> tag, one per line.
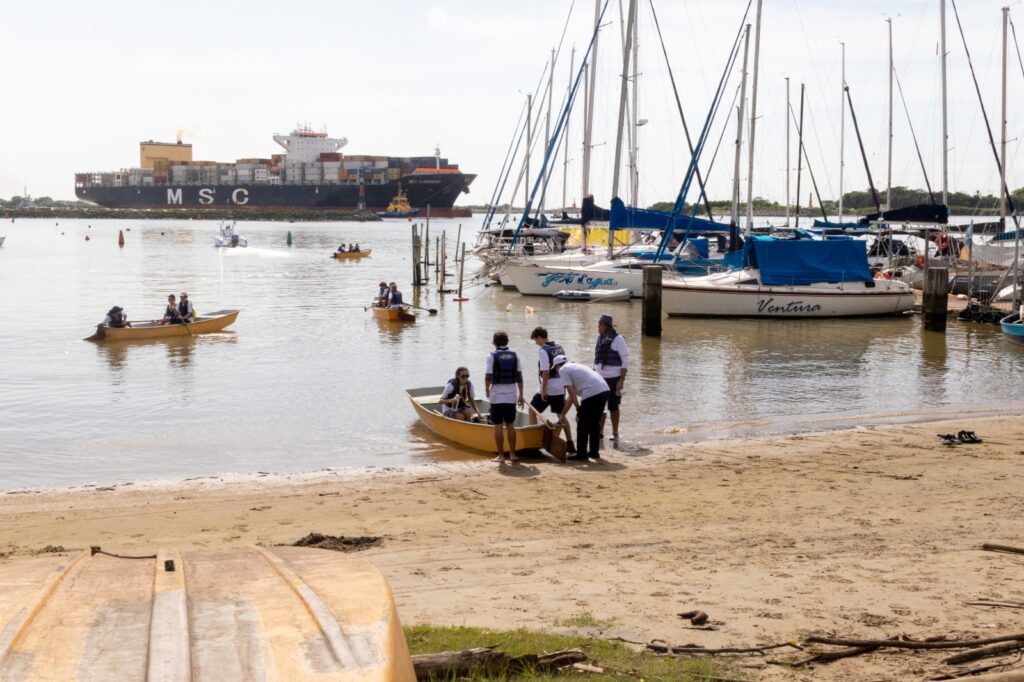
<point x="584" y="620"/>
<point x="618" y="661"/>
<point x="89" y="212"/>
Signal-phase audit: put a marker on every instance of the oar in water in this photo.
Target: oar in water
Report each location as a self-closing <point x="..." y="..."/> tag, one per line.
<point x="99" y="335"/>
<point x="432" y="311"/>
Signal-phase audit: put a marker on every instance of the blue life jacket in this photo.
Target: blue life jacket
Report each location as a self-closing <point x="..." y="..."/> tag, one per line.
<point x="552" y="349"/>
<point x="504" y="366"/>
<point x="183" y="311"/>
<point x="604" y="355"/>
<point x="396" y="298"/>
<point x="118" y="319"/>
<point x="456" y="390"/>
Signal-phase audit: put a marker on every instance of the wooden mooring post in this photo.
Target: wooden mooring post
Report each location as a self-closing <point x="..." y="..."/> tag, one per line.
<point x="936" y="299"/>
<point x="415" y="257"/>
<point x="426" y="254"/>
<point x="651" y="317"/>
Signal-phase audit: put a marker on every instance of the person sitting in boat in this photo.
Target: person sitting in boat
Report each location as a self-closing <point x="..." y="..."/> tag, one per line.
<point x="342" y="249"/>
<point x="394" y="297"/>
<point x="185" y="310"/>
<point x="381" y="301"/>
<point x="458" y="399"/>
<point x="171" y="314"/>
<point x="357" y="249"/>
<point x="227" y="232"/>
<point x="116" y="317"/>
<point x="350" y="248"/>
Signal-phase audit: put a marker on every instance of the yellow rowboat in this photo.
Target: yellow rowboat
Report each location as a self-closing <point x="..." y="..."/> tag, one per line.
<point x="480" y="436"/>
<point x="240" y="613"/>
<point x="352" y="255"/>
<point x="152" y="329"/>
<point x="394" y="315"/>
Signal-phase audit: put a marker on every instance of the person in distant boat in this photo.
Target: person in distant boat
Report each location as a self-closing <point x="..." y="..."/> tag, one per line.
<point x="171" y="314"/>
<point x="357" y="249"/>
<point x="382" y="295"/>
<point x="394" y="297"/>
<point x="504" y="375"/>
<point x="342" y="249"/>
<point x="227" y="232"/>
<point x="350" y="249"/>
<point x="552" y="390"/>
<point x="116" y="317"/>
<point x="185" y="309"/>
<point x="458" y="399"/>
<point x="588" y="392"/>
<point x="610" y="359"/>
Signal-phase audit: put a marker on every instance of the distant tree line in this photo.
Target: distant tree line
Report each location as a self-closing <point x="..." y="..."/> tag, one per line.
<point x="40" y="202"/>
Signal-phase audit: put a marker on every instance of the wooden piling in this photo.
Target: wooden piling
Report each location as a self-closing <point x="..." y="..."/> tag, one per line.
<point x="426" y="253"/>
<point x="651" y="317"/>
<point x="415" y="257"/>
<point x="462" y="272"/>
<point x="936" y="299"/>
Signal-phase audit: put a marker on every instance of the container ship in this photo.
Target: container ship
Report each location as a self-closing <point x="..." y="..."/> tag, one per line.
<point x="312" y="173"/>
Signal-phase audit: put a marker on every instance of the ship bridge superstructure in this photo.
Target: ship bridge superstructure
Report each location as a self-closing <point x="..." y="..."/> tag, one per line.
<point x="305" y="145"/>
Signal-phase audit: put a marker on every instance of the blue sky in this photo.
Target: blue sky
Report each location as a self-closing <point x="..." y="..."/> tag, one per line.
<point x="85" y="82"/>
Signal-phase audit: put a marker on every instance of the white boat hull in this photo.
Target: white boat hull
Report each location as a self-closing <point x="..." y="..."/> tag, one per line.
<point x="533" y="280"/>
<point x="227" y="243"/>
<point x="723" y="296"/>
<point x="596" y="295"/>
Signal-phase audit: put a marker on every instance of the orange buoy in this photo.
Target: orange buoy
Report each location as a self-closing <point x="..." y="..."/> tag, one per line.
<point x="120" y="238"/>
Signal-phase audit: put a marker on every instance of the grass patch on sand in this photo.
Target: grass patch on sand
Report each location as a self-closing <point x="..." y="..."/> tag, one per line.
<point x="619" y="661"/>
<point x="584" y="620"/>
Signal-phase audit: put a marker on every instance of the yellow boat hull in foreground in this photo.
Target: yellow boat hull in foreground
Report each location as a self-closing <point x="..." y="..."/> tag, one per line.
<point x="152" y="329"/>
<point x="471" y="435"/>
<point x="394" y="315"/>
<point x="352" y="255"/>
<point x="239" y="613"/>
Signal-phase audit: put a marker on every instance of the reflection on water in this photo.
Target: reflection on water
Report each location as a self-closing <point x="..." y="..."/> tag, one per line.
<point x="307" y="378"/>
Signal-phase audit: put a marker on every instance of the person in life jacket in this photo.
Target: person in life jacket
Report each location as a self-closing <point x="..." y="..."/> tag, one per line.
<point x="610" y="359"/>
<point x="394" y="296"/>
<point x="503" y="382"/>
<point x="342" y="249"/>
<point x="552" y="388"/>
<point x="458" y="398"/>
<point x="382" y="295"/>
<point x="185" y="310"/>
<point x="116" y="317"/>
<point x="171" y="314"/>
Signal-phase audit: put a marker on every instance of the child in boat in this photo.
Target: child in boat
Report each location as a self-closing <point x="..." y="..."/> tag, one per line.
<point x="458" y="399"/>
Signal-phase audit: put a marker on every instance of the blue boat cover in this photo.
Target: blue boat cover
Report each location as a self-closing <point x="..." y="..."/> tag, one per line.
<point x="628" y="218"/>
<point x="802" y="261"/>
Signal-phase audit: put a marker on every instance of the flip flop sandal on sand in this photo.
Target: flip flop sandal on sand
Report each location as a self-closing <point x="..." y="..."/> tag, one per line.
<point x="948" y="439"/>
<point x="968" y="437"/>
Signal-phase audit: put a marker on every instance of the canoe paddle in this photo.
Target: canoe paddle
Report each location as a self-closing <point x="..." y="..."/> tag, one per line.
<point x="432" y="311"/>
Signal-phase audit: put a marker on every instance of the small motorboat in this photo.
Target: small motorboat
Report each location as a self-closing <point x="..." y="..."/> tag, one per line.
<point x="399" y="208"/>
<point x="480" y="435"/>
<point x="1013" y="328"/>
<point x="352" y="255"/>
<point x="152" y="329"/>
<point x="2" y="240"/>
<point x="227" y="239"/>
<point x="393" y="315"/>
<point x="595" y="295"/>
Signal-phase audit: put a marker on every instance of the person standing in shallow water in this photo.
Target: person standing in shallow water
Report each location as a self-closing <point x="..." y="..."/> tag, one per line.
<point x="503" y="384"/>
<point x="552" y="390"/>
<point x="610" y="359"/>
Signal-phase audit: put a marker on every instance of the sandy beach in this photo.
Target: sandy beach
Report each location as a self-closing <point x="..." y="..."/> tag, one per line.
<point x="868" y="532"/>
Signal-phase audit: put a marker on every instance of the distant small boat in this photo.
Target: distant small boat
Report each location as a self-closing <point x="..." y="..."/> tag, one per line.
<point x="2" y="240"/>
<point x="352" y="255"/>
<point x="478" y="436"/>
<point x="394" y="315"/>
<point x="399" y="208"/>
<point x="152" y="329"/>
<point x="594" y="295"/>
<point x="234" y="241"/>
<point x="1013" y="328"/>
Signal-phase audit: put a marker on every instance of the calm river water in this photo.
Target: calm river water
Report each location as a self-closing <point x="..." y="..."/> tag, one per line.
<point x="306" y="379"/>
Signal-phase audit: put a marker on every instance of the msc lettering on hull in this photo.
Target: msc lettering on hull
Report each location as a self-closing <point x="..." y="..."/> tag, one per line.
<point x="768" y="305"/>
<point x="174" y="196"/>
<point x="239" y="196"/>
<point x="570" y="278"/>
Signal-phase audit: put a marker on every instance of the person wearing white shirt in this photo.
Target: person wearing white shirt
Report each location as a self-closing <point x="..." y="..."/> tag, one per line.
<point x="588" y="391"/>
<point x="503" y="384"/>
<point x="552" y="388"/>
<point x="611" y="356"/>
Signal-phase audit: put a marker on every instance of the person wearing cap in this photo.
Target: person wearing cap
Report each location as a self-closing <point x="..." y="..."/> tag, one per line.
<point x="394" y="297"/>
<point x="610" y="359"/>
<point x="552" y="390"/>
<point x="116" y="317"/>
<point x="382" y="295"/>
<point x="185" y="310"/>
<point x="503" y="384"/>
<point x="588" y="391"/>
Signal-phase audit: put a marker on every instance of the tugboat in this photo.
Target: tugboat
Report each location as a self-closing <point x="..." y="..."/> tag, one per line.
<point x="399" y="207"/>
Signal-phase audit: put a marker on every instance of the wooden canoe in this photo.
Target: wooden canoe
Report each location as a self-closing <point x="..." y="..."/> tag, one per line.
<point x="469" y="434"/>
<point x="233" y="613"/>
<point x="152" y="329"/>
<point x="394" y="315"/>
<point x="352" y="255"/>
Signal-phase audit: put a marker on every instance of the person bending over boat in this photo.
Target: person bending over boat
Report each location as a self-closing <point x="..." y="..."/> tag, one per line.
<point x="382" y="295"/>
<point x="185" y="310"/>
<point x="552" y="390"/>
<point x="458" y="398"/>
<point x="588" y="391"/>
<point x="116" y="318"/>
<point x="394" y="297"/>
<point x="503" y="377"/>
<point x="171" y="314"/>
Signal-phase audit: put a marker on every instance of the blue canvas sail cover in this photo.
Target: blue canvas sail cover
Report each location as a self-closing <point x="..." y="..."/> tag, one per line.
<point x="628" y="218"/>
<point x="803" y="261"/>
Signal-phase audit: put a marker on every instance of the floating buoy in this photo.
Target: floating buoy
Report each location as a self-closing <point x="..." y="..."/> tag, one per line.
<point x="460" y="299"/>
<point x="86" y="237"/>
<point x="508" y="308"/>
<point x="529" y="310"/>
<point x="120" y="238"/>
<point x="289" y="237"/>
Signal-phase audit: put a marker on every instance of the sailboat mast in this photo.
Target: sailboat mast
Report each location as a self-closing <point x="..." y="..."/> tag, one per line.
<point x="842" y="132"/>
<point x="547" y="121"/>
<point x="635" y="128"/>
<point x="945" y="130"/>
<point x="753" y="122"/>
<point x="565" y="153"/>
<point x="799" y="156"/>
<point x="623" y="91"/>
<point x="585" y="151"/>
<point x="529" y="146"/>
<point x="589" y="130"/>
<point x="1002" y="144"/>
<point x="888" y="183"/>
<point x="739" y="131"/>
<point x="787" y="151"/>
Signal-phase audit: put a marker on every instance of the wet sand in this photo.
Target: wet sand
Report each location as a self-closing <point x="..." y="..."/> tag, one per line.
<point x="870" y="532"/>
